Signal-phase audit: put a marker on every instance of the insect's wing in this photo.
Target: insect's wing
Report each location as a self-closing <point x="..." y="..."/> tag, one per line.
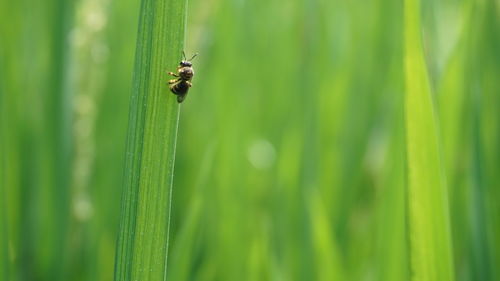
<point x="181" y="97"/>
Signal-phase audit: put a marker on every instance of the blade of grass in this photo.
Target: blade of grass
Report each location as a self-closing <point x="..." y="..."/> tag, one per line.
<point x="186" y="244"/>
<point x="8" y="134"/>
<point x="392" y="252"/>
<point x="327" y="255"/>
<point x="453" y="127"/>
<point x="483" y="108"/>
<point x="488" y="66"/>
<point x="4" y="261"/>
<point x="429" y="226"/>
<point x="39" y="139"/>
<point x="153" y="119"/>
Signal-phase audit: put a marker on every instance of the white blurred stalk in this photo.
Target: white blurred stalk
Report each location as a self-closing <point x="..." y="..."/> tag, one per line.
<point x="87" y="67"/>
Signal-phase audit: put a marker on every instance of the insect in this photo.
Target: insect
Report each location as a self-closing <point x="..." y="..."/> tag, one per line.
<point x="180" y="86"/>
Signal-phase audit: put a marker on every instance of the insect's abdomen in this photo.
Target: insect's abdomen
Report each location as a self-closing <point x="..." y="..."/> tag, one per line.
<point x="180" y="88"/>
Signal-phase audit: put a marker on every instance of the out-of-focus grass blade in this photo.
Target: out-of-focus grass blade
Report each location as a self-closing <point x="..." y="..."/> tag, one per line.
<point x="392" y="257"/>
<point x="4" y="261"/>
<point x="483" y="67"/>
<point x="451" y="107"/>
<point x="185" y="243"/>
<point x="148" y="176"/>
<point x="37" y="137"/>
<point x="487" y="67"/>
<point x="327" y="258"/>
<point x="429" y="227"/>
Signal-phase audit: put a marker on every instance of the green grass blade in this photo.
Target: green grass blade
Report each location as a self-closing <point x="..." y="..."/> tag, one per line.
<point x="392" y="252"/>
<point x="429" y="232"/>
<point x="4" y="261"/>
<point x="327" y="257"/>
<point x="149" y="162"/>
<point x="4" y="254"/>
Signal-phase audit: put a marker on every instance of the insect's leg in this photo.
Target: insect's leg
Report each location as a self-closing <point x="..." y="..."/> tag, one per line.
<point x="189" y="83"/>
<point x="173" y="74"/>
<point x="173" y="81"/>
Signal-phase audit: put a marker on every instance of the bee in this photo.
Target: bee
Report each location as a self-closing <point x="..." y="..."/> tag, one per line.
<point x="180" y="86"/>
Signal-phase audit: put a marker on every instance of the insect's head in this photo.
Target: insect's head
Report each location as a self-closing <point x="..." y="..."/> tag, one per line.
<point x="187" y="62"/>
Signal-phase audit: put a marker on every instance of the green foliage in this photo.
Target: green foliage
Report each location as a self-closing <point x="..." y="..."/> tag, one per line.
<point x="317" y="142"/>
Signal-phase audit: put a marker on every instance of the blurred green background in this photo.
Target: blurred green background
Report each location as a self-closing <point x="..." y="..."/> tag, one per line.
<point x="290" y="160"/>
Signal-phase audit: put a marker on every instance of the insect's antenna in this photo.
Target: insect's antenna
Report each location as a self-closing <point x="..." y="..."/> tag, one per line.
<point x="194" y="56"/>
<point x="184" y="55"/>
